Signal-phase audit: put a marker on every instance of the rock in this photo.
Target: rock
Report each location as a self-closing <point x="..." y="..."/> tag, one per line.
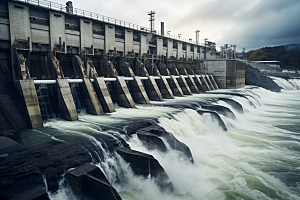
<point x="37" y="193"/>
<point x="151" y="141"/>
<point x="170" y="139"/>
<point x="254" y="76"/>
<point x="6" y="142"/>
<point x="147" y="166"/>
<point x="89" y="182"/>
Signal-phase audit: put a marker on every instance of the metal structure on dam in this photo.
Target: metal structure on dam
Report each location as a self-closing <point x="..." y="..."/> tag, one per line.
<point x="64" y="59"/>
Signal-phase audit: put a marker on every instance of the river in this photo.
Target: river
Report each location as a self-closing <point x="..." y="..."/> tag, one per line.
<point x="256" y="158"/>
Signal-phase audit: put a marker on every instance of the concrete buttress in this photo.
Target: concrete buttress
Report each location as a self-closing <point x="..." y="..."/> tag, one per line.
<point x="215" y="83"/>
<point x="192" y="85"/>
<point x="199" y="84"/>
<point x="90" y="98"/>
<point x="165" y="88"/>
<point x="152" y="89"/>
<point x="122" y="93"/>
<point x="202" y="78"/>
<point x="138" y="91"/>
<point x="184" y="86"/>
<point x="103" y="95"/>
<point x="28" y="92"/>
<point x="65" y="101"/>
<point x="209" y="82"/>
<point x="175" y="86"/>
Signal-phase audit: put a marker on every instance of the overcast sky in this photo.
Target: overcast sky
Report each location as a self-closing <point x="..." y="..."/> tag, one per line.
<point x="250" y="24"/>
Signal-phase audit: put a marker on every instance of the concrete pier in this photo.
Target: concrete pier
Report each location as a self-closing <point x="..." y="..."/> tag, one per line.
<point x="191" y="83"/>
<point x="90" y="98"/>
<point x="122" y="93"/>
<point x="205" y="84"/>
<point x="103" y="95"/>
<point x="165" y="88"/>
<point x="152" y="89"/>
<point x="184" y="86"/>
<point x="66" y="103"/>
<point x="138" y="91"/>
<point x="31" y="104"/>
<point x="174" y="85"/>
<point x="214" y="82"/>
<point x="209" y="82"/>
<point x="199" y="83"/>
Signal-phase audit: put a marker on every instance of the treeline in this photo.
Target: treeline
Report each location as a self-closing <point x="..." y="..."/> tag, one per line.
<point x="288" y="55"/>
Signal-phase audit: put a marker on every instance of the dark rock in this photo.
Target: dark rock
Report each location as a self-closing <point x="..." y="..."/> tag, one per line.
<point x="23" y="170"/>
<point x="37" y="193"/>
<point x="151" y="141"/>
<point x="254" y="76"/>
<point x="12" y="134"/>
<point x="89" y="182"/>
<point x="146" y="165"/>
<point x="6" y="142"/>
<point x="171" y="140"/>
<point x="132" y="127"/>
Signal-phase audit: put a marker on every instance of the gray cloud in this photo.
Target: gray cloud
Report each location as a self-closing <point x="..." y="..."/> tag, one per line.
<point x="248" y="23"/>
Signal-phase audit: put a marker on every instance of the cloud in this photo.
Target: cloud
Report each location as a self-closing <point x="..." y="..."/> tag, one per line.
<point x="248" y="23"/>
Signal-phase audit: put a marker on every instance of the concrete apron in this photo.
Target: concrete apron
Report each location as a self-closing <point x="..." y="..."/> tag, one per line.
<point x="138" y="91"/>
<point x="184" y="86"/>
<point x="122" y="93"/>
<point x="164" y="88"/>
<point x="103" y="95"/>
<point x="152" y="89"/>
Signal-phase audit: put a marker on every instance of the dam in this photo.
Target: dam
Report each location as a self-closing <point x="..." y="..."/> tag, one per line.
<point x="93" y="107"/>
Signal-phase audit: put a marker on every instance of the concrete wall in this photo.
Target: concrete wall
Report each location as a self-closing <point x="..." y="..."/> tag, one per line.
<point x="128" y="41"/>
<point x="57" y="28"/>
<point x="109" y="43"/>
<point x="169" y="48"/>
<point x="86" y="34"/>
<point x="227" y="73"/>
<point x="19" y="21"/>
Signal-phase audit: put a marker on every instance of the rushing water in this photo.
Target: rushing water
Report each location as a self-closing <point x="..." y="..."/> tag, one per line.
<point x="257" y="158"/>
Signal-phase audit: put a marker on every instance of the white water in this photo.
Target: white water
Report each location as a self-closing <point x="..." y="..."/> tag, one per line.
<point x="257" y="158"/>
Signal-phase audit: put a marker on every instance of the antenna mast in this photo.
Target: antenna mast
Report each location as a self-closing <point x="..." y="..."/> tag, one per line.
<point x="152" y="19"/>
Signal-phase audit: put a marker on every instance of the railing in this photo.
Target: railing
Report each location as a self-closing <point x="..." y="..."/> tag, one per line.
<point x="87" y="14"/>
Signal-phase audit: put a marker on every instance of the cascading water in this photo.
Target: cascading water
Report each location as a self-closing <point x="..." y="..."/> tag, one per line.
<point x="256" y="158"/>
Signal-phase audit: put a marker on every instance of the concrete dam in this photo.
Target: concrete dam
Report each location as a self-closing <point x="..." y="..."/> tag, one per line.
<point x="88" y="103"/>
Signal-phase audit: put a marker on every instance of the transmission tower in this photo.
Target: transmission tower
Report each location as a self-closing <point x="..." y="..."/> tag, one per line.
<point x="151" y="19"/>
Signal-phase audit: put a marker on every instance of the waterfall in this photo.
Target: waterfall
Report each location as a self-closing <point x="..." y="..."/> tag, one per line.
<point x="47" y="111"/>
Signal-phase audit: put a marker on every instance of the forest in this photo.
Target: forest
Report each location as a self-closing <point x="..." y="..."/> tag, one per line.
<point x="288" y="55"/>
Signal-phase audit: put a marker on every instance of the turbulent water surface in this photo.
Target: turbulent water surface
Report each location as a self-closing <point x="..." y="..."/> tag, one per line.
<point x="257" y="158"/>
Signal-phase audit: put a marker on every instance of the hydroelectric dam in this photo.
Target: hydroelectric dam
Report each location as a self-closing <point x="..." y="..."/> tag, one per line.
<point x="92" y="107"/>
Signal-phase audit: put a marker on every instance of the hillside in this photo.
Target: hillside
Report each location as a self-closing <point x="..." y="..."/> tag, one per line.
<point x="288" y="55"/>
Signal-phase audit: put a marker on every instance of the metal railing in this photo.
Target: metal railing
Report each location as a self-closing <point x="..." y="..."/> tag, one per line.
<point x="76" y="11"/>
